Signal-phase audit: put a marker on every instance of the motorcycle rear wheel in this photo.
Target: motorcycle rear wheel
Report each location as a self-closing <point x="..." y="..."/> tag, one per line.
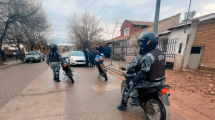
<point x="105" y="76"/>
<point x="154" y="109"/>
<point x="70" y="76"/>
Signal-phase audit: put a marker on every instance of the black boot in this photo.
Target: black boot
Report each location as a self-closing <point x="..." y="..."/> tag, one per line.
<point x="56" y="79"/>
<point x="122" y="107"/>
<point x="134" y="102"/>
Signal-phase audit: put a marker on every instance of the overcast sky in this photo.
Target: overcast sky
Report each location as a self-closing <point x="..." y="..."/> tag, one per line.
<point x="58" y="11"/>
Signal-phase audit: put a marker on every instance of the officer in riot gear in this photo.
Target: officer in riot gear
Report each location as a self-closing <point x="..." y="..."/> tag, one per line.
<point x="53" y="59"/>
<point x="149" y="67"/>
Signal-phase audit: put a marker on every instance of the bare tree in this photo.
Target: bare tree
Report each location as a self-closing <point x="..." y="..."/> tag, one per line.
<point x="25" y="13"/>
<point x="84" y="29"/>
<point x="111" y="33"/>
<point x="16" y="36"/>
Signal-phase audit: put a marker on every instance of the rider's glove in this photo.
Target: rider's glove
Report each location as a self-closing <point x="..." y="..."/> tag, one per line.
<point x="136" y="80"/>
<point x="123" y="69"/>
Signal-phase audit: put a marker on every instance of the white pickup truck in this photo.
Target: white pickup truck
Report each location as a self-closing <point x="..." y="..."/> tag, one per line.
<point x="34" y="56"/>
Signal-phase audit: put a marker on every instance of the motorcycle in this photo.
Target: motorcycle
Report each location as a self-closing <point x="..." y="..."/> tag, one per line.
<point x="67" y="69"/>
<point x="101" y="68"/>
<point x="150" y="99"/>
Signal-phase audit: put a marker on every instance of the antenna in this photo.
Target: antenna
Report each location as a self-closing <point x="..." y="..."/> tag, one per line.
<point x="189" y="16"/>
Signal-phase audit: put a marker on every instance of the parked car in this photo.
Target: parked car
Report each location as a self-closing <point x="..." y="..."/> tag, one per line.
<point x="34" y="56"/>
<point x="77" y="58"/>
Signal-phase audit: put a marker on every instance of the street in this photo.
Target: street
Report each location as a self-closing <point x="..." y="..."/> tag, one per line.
<point x="88" y="98"/>
<point x="170" y="44"/>
<point x="15" y="79"/>
<point x="27" y="91"/>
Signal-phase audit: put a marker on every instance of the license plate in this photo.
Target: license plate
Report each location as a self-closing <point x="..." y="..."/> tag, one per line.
<point x="31" y="59"/>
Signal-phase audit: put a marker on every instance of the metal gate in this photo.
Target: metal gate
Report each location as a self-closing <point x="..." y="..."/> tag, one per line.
<point x="168" y="47"/>
<point x="120" y="52"/>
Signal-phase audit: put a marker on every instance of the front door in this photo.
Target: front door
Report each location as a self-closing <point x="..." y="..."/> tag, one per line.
<point x="195" y="57"/>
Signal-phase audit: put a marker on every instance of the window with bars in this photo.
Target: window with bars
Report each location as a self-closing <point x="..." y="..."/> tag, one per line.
<point x="164" y="46"/>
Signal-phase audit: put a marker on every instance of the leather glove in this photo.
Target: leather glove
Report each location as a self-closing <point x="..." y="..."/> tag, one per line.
<point x="123" y="69"/>
<point x="136" y="80"/>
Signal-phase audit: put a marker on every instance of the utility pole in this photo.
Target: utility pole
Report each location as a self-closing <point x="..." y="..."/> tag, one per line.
<point x="187" y="17"/>
<point x="157" y="12"/>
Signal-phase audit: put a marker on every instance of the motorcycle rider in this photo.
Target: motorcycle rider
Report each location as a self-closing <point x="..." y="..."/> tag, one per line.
<point x="98" y="60"/>
<point x="149" y="67"/>
<point x="53" y="59"/>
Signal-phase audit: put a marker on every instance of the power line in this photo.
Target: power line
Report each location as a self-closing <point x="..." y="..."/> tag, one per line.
<point x="122" y="7"/>
<point x="207" y="4"/>
<point x="78" y="5"/>
<point x="116" y="9"/>
<point x="117" y="5"/>
<point x="102" y="8"/>
<point x="88" y="6"/>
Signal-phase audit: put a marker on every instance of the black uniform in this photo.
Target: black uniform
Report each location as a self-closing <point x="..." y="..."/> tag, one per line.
<point x="91" y="58"/>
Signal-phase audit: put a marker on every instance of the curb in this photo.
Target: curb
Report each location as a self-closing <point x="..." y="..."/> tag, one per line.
<point x="8" y="66"/>
<point x="114" y="70"/>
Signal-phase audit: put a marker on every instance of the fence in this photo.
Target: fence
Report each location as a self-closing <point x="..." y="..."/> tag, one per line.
<point x="9" y="55"/>
<point x="120" y="52"/>
<point x="168" y="47"/>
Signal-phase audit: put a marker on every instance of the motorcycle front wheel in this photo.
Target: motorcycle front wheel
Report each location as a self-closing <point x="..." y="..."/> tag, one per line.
<point x="154" y="109"/>
<point x="123" y="86"/>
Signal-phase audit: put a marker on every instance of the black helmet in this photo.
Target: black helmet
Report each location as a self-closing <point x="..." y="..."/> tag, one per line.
<point x="53" y="47"/>
<point x="147" y="42"/>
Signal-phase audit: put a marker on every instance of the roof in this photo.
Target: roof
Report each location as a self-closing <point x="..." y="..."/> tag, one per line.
<point x="181" y="25"/>
<point x="201" y="18"/>
<point x="141" y="31"/>
<point x="165" y="32"/>
<point x="140" y="22"/>
<point x="118" y="38"/>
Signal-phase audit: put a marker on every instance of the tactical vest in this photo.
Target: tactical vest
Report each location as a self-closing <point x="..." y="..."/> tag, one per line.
<point x="157" y="70"/>
<point x="53" y="57"/>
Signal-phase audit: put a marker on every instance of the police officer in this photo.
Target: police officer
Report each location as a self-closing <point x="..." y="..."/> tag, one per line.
<point x="93" y="61"/>
<point x="98" y="53"/>
<point x="91" y="58"/>
<point x="86" y="57"/>
<point x="53" y="59"/>
<point x="149" y="66"/>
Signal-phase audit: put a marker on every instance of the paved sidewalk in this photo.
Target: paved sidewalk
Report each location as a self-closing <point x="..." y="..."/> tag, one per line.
<point x="11" y="63"/>
<point x="115" y="65"/>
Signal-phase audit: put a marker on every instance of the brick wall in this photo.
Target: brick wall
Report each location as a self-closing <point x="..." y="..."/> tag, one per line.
<point x="126" y="24"/>
<point x="205" y="35"/>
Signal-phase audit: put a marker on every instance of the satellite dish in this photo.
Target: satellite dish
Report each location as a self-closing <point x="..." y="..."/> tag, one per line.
<point x="190" y="16"/>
